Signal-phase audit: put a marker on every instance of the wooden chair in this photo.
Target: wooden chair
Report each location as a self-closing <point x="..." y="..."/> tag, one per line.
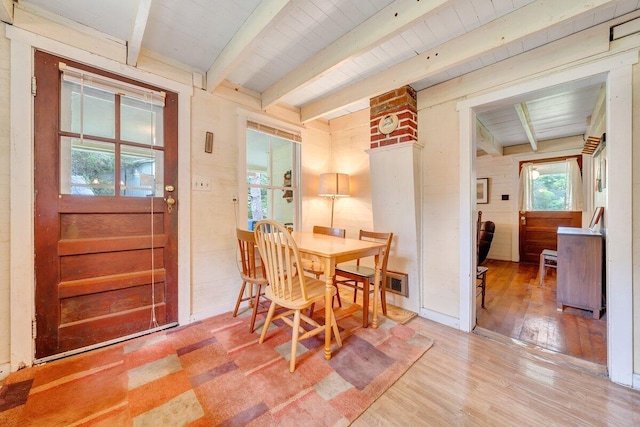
<point x="287" y="287"/>
<point x="362" y="277"/>
<point x="484" y="233"/>
<point x="315" y="266"/>
<point x="253" y="274"/>
<point x="548" y="258"/>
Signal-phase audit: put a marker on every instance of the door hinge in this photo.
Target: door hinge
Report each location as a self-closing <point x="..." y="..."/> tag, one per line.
<point x="34" y="86"/>
<point x="34" y="328"/>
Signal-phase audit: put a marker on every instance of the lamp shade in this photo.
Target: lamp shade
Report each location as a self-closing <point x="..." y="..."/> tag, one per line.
<point x="334" y="185"/>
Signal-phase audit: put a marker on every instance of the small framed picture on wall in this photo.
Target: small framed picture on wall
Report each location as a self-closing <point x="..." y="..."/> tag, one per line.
<point x="482" y="190"/>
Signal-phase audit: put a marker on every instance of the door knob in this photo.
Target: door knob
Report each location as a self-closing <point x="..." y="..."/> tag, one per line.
<point x="170" y="201"/>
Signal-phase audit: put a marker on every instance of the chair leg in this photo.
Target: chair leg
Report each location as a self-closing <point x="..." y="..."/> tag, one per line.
<point x="337" y="294"/>
<point x="256" y="304"/>
<point x="272" y="309"/>
<point x="383" y="298"/>
<point x="336" y="331"/>
<point x="365" y="302"/>
<point x="240" y="298"/>
<point x="294" y="340"/>
<point x="542" y="270"/>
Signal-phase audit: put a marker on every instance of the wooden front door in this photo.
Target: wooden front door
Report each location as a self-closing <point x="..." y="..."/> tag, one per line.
<point x="105" y="240"/>
<point x="539" y="231"/>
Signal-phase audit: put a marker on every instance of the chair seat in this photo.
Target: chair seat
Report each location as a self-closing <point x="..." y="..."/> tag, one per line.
<point x="356" y="270"/>
<point x="315" y="292"/>
<point x="312" y="266"/>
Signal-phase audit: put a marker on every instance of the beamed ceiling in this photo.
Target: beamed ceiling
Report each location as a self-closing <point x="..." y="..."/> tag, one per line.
<point x="327" y="58"/>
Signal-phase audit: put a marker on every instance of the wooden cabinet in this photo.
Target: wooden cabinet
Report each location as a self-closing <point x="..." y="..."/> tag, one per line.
<point x="580" y="269"/>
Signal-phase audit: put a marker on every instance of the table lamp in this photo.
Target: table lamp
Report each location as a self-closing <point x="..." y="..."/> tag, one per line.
<point x="333" y="185"/>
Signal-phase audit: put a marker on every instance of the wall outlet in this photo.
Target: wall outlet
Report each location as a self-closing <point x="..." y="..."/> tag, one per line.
<point x="201" y="183"/>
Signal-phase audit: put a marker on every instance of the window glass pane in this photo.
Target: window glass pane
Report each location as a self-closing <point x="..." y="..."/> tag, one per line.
<point x="87" y="167"/>
<point x="141" y="122"/>
<point x="270" y="177"/>
<point x="258" y="205"/>
<point x="283" y="206"/>
<point x="88" y="110"/>
<point x="549" y="192"/>
<point x="258" y="156"/>
<point x="282" y="161"/>
<point x="262" y="201"/>
<point x="141" y="172"/>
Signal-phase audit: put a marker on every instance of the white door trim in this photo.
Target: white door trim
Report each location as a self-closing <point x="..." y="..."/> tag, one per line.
<point x="619" y="256"/>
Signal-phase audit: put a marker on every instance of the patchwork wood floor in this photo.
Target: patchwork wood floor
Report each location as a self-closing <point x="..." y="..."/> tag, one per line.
<point x="517" y="307"/>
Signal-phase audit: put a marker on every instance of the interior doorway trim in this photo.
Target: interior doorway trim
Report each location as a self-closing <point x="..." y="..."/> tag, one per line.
<point x="619" y="256"/>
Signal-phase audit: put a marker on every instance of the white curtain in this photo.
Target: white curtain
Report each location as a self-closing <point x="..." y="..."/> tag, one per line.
<point x="526" y="187"/>
<point x="574" y="199"/>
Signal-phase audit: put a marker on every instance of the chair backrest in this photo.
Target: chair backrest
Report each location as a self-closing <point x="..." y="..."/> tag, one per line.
<point x="252" y="266"/>
<point x="331" y="231"/>
<point x="280" y="255"/>
<point x="485" y="230"/>
<point x="386" y="238"/>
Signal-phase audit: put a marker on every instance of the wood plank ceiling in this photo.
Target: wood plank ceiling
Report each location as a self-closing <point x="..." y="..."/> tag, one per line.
<point x="327" y="58"/>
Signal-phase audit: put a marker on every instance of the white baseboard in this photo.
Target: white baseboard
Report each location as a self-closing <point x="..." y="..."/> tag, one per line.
<point x="440" y="318"/>
<point x="5" y="370"/>
<point x="635" y="381"/>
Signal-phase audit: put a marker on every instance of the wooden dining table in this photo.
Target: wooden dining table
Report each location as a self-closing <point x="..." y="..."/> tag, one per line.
<point x="332" y="250"/>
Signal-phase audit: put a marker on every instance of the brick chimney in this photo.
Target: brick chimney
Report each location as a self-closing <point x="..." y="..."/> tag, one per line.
<point x="401" y="102"/>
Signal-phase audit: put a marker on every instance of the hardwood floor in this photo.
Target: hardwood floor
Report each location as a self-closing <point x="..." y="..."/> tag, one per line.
<point x="466" y="379"/>
<point x="517" y="307"/>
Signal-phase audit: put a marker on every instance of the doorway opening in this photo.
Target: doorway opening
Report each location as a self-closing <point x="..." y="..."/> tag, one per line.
<point x="618" y="229"/>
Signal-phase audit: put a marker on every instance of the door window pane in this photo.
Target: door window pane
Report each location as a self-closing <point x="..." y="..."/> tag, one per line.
<point x="141" y="172"/>
<point x="87" y="167"/>
<point x="141" y="121"/>
<point x="87" y="110"/>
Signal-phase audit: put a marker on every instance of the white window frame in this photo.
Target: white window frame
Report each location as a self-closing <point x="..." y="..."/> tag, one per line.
<point x="245" y="116"/>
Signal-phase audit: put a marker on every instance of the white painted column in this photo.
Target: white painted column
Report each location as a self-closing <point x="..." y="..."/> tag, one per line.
<point x="396" y="175"/>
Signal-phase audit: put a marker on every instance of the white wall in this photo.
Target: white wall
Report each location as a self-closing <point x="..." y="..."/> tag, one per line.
<point x="499" y="170"/>
<point x="350" y="138"/>
<point x="4" y="207"/>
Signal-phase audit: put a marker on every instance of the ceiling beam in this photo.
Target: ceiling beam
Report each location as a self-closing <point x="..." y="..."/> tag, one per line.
<point x="240" y="44"/>
<point x="524" y="22"/>
<point x="525" y="119"/>
<point x="137" y="31"/>
<point x="6" y="11"/>
<point x="382" y="26"/>
<point x="597" y="119"/>
<point x="486" y="141"/>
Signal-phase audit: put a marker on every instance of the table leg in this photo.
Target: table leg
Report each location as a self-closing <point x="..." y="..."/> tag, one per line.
<point x="328" y="297"/>
<point x="376" y="292"/>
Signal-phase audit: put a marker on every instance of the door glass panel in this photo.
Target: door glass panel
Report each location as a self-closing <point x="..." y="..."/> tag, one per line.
<point x="141" y="172"/>
<point x="141" y="121"/>
<point x="87" y="110"/>
<point x="87" y="167"/>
